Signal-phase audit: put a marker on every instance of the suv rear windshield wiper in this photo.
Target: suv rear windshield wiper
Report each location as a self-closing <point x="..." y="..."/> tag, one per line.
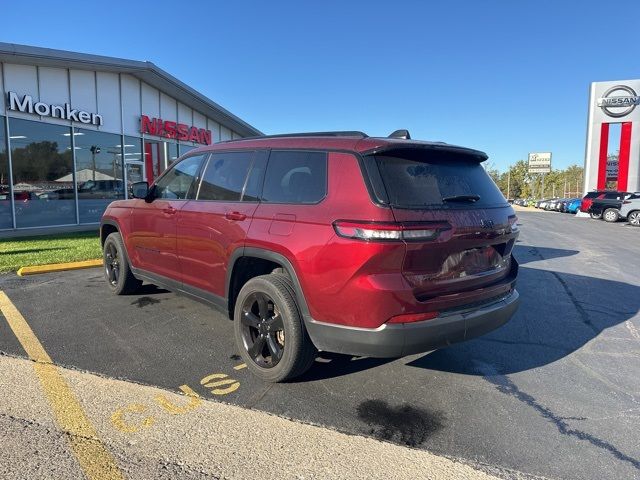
<point x="461" y="198"/>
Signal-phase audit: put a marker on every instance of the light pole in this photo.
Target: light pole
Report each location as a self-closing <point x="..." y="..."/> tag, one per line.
<point x="95" y="150"/>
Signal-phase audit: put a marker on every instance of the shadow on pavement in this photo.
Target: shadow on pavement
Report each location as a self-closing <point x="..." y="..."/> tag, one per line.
<point x="559" y="313"/>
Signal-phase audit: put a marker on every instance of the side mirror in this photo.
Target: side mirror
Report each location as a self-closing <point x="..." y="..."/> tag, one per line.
<point x="140" y="190"/>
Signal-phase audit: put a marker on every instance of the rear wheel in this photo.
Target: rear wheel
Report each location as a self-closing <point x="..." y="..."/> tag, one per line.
<point x="610" y="215"/>
<point x="117" y="271"/>
<point x="597" y="216"/>
<point x="269" y="330"/>
<point x="634" y="218"/>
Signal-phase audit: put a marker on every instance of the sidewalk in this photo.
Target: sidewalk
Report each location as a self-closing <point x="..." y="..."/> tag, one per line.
<point x="153" y="433"/>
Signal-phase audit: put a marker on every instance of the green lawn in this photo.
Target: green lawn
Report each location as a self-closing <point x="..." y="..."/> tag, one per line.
<point x="67" y="247"/>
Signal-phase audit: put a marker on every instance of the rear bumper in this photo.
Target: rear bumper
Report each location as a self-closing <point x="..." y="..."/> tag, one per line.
<point x="398" y="340"/>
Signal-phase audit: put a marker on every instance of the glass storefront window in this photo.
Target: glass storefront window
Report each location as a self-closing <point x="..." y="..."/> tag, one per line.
<point x="5" y="189"/>
<point x="185" y="148"/>
<point x="133" y="159"/>
<point x="99" y="171"/>
<point x="42" y="163"/>
<point x="172" y="152"/>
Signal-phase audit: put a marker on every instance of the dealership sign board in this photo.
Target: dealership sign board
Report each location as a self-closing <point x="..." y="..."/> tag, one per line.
<point x="540" y="162"/>
<point x="612" y="168"/>
<point x="25" y="104"/>
<point x="169" y="129"/>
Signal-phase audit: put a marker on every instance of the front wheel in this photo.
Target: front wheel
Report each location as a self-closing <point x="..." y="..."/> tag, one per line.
<point x="117" y="271"/>
<point x="634" y="218"/>
<point x="269" y="330"/>
<point x="610" y="215"/>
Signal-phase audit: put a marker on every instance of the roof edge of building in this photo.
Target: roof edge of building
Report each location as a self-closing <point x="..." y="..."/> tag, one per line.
<point x="145" y="71"/>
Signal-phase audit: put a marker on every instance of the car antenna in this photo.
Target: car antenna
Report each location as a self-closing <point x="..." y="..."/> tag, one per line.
<point x="404" y="134"/>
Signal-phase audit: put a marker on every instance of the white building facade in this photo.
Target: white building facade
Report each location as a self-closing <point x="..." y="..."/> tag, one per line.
<point x="77" y="129"/>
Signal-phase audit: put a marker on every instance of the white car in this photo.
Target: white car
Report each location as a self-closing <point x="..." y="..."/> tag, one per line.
<point x="631" y="209"/>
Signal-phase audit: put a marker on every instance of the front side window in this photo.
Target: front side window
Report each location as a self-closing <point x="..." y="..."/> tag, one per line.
<point x="225" y="175"/>
<point x="295" y="177"/>
<point x="178" y="183"/>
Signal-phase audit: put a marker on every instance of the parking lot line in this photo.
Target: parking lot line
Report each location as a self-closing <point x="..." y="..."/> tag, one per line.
<point x="93" y="457"/>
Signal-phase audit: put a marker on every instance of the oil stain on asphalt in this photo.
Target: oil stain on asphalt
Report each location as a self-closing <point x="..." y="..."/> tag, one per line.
<point x="145" y="302"/>
<point x="403" y="424"/>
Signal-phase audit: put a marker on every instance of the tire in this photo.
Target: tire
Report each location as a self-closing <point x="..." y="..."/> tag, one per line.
<point x="634" y="218"/>
<point x="269" y="330"/>
<point x="610" y="215"/>
<point x="596" y="216"/>
<point x="116" y="266"/>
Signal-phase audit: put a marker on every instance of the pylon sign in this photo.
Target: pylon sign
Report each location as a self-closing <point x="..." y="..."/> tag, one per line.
<point x="610" y="103"/>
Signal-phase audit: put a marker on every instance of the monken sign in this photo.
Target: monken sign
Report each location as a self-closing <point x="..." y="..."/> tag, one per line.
<point x="26" y="105"/>
<point x="180" y="131"/>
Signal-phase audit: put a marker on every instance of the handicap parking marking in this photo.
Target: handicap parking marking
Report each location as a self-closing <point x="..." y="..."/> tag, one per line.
<point x="92" y="455"/>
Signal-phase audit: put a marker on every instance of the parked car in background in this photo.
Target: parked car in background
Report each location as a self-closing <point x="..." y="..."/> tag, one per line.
<point x="591" y="196"/>
<point x="608" y="207"/>
<point x="573" y="205"/>
<point x="631" y="210"/>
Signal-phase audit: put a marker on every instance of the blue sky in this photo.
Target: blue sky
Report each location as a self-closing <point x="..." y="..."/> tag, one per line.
<point x="507" y="77"/>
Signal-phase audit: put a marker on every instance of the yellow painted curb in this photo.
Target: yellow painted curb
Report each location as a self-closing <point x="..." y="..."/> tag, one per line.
<point x="58" y="267"/>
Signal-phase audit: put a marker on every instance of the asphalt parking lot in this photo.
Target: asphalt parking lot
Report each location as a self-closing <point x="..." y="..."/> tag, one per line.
<point x="554" y="393"/>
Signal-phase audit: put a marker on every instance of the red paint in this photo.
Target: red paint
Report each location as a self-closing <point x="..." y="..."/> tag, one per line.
<point x="623" y="158"/>
<point x="173" y="130"/>
<point x="343" y="280"/>
<point x="602" y="158"/>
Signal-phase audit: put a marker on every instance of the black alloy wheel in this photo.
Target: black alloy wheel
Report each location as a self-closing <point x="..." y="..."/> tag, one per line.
<point x="262" y="329"/>
<point x="112" y="264"/>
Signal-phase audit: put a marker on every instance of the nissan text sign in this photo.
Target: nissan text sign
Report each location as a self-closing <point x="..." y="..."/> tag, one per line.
<point x="540" y="162"/>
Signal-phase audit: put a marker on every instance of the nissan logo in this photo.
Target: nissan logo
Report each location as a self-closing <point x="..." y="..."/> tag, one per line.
<point x="618" y="105"/>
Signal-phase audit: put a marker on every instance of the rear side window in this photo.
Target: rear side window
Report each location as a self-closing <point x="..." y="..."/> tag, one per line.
<point x="295" y="177"/>
<point x="437" y="179"/>
<point x="224" y="176"/>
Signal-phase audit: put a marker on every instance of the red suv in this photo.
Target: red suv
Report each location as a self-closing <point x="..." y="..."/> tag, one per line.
<point x="337" y="241"/>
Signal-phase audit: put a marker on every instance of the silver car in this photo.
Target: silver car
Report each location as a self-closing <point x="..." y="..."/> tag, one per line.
<point x="631" y="210"/>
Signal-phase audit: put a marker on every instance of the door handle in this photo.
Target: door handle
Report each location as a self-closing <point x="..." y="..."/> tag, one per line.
<point x="169" y="210"/>
<point x="235" y="216"/>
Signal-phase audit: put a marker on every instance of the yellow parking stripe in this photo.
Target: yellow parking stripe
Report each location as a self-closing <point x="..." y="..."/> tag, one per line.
<point x="95" y="460"/>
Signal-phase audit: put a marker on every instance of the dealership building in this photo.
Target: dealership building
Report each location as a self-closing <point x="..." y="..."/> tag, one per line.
<point x="77" y="129"/>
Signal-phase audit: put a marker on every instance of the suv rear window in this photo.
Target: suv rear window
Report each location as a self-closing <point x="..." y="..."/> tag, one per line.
<point x="422" y="179"/>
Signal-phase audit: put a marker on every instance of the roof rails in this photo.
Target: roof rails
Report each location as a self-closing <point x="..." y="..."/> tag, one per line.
<point x="347" y="133"/>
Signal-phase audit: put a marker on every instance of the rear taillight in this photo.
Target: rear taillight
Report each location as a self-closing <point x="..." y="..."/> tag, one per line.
<point x="513" y="223"/>
<point x="389" y="231"/>
<point x="413" y="317"/>
<point x="626" y="202"/>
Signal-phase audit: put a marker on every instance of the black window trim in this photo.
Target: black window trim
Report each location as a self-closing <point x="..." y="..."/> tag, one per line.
<point x="305" y="150"/>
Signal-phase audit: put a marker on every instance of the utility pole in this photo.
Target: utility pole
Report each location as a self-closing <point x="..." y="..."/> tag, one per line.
<point x="564" y="192"/>
<point x="509" y="184"/>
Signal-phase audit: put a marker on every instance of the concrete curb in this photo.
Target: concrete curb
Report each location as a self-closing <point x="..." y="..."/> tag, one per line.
<point x="58" y="267"/>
